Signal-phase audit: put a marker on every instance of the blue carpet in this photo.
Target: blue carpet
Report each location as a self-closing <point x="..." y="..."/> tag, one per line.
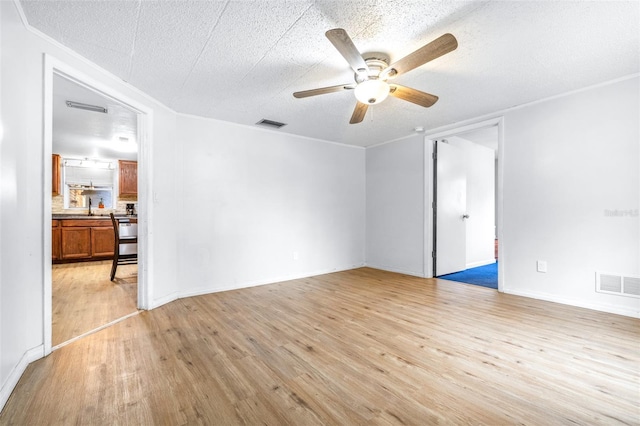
<point x="486" y="276"/>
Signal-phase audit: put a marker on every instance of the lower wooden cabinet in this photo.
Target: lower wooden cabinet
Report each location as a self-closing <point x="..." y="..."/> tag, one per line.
<point x="76" y="242"/>
<point x="55" y="240"/>
<point x="78" y="239"/>
<point x="102" y="242"/>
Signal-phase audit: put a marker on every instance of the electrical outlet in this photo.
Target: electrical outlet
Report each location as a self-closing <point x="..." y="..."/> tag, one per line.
<point x="296" y="255"/>
<point x="541" y="266"/>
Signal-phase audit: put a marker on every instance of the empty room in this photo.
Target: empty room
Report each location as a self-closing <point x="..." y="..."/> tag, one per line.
<point x="318" y="212"/>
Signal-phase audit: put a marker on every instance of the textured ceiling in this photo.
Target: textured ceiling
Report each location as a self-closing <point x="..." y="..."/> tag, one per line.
<point x="240" y="61"/>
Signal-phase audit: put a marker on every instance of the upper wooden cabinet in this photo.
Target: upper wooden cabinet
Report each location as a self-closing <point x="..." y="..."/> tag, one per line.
<point x="55" y="175"/>
<point x="128" y="178"/>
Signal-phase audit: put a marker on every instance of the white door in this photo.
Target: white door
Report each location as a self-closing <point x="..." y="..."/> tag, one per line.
<point x="451" y="204"/>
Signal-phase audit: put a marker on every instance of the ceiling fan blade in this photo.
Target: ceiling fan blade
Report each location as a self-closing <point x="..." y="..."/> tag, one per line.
<point x="341" y="40"/>
<point x="358" y="113"/>
<point x="438" y="47"/>
<point x="412" y="95"/>
<point x="323" y="90"/>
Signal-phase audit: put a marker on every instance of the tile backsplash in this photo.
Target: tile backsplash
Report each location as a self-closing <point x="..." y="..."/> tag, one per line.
<point x="57" y="207"/>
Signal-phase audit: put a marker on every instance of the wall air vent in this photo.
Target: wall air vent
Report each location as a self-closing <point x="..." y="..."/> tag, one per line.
<point x="631" y="286"/>
<point x="270" y="123"/>
<point x="87" y="107"/>
<point x="617" y="284"/>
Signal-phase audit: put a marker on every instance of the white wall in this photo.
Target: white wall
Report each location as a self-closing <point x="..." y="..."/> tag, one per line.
<point x="22" y="194"/>
<point x="254" y="198"/>
<point x="265" y="206"/>
<point x="395" y="206"/>
<point x="231" y="206"/>
<point x="480" y="163"/>
<point x="566" y="162"/>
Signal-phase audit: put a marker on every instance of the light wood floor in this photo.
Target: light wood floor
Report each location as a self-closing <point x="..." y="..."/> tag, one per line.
<point x="83" y="297"/>
<point x="356" y="347"/>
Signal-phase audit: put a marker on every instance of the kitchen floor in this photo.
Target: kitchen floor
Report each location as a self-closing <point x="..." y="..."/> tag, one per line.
<point x="84" y="298"/>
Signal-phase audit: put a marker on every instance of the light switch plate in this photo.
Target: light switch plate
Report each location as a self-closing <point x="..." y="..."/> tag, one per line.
<point x="541" y="266"/>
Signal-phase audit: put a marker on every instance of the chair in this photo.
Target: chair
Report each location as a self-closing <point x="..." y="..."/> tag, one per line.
<point x="125" y="250"/>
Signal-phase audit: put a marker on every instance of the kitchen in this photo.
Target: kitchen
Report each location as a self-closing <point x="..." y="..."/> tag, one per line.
<point x="94" y="173"/>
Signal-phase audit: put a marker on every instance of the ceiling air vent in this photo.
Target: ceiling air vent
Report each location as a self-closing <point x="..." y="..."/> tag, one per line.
<point x="270" y="123"/>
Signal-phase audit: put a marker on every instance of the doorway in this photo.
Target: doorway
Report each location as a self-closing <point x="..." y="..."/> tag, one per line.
<point x="465" y="213"/>
<point x="88" y="301"/>
<point x="92" y="135"/>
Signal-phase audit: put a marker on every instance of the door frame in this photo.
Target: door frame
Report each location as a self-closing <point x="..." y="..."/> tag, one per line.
<point x="429" y="228"/>
<point x="53" y="66"/>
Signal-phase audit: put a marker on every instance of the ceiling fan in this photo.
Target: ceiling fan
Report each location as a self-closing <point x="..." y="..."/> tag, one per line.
<point x="373" y="72"/>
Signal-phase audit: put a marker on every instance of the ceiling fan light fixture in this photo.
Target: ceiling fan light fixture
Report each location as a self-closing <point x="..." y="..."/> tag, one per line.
<point x="372" y="91"/>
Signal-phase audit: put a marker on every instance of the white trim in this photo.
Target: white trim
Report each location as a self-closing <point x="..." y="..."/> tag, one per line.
<point x="95" y="330"/>
<point x="268" y="130"/>
<point x="164" y="300"/>
<point x="429" y="138"/>
<point x="16" y="372"/>
<point x="47" y="137"/>
<point x="444" y="129"/>
<point x="603" y="307"/>
<point x="274" y="280"/>
<point x="145" y="184"/>
<point x="394" y="140"/>
<point x="480" y="263"/>
<point x="396" y="270"/>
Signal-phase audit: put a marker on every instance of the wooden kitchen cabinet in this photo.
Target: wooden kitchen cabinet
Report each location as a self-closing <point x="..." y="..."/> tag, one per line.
<point x="102" y="241"/>
<point x="128" y="178"/>
<point x="75" y="242"/>
<point x="55" y="175"/>
<point x="81" y="239"/>
<point x="55" y="240"/>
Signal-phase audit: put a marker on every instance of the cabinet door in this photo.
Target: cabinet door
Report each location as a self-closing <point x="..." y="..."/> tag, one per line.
<point x="55" y="175"/>
<point x="128" y="178"/>
<point x="55" y="242"/>
<point x="102" y="242"/>
<point x="76" y="242"/>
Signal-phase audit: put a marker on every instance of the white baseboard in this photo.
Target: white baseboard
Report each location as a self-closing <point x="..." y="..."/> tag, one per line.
<point x="156" y="303"/>
<point x="208" y="290"/>
<point x="27" y="358"/>
<point x="397" y="270"/>
<point x="481" y="263"/>
<point x="602" y="307"/>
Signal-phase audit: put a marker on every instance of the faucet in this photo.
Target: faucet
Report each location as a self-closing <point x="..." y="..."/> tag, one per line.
<point x="90" y="214"/>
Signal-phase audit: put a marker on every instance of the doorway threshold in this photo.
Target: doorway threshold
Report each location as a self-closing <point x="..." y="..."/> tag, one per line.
<point x="95" y="330"/>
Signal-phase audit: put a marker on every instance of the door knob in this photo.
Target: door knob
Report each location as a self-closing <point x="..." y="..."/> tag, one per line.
<point x="465" y="216"/>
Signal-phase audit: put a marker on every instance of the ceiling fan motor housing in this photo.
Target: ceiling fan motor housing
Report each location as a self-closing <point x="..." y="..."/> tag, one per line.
<point x="376" y="62"/>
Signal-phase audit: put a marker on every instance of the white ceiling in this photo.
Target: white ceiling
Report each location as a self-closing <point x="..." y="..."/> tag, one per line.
<point x="241" y="61"/>
<point x="79" y="133"/>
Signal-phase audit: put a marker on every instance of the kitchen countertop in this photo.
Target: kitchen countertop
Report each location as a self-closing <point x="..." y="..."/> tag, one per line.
<point x="97" y="216"/>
